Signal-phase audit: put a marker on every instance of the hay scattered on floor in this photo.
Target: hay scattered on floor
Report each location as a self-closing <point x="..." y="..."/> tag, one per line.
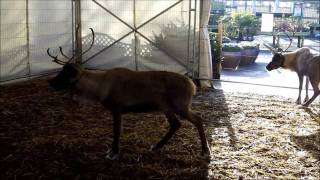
<point x="43" y="134"/>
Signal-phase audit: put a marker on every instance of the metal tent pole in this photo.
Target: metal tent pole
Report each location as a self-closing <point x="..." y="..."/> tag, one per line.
<point x="188" y="45"/>
<point x="199" y="38"/>
<point x="135" y="35"/>
<point x="194" y="36"/>
<point x="0" y="45"/>
<point x="28" y="39"/>
<point x="72" y="26"/>
<point x="78" y="29"/>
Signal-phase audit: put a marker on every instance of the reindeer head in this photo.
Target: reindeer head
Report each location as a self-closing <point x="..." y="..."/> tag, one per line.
<point x="276" y="62"/>
<point x="67" y="77"/>
<point x="71" y="71"/>
<point x="278" y="57"/>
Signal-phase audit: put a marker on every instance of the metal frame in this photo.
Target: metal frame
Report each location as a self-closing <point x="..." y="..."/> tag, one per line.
<point x="135" y="30"/>
<point x="78" y="29"/>
<point x="28" y="38"/>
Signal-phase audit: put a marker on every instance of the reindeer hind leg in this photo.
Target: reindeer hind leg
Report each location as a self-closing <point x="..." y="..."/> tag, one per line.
<point x="174" y="126"/>
<point x="198" y="122"/>
<point x="316" y="91"/>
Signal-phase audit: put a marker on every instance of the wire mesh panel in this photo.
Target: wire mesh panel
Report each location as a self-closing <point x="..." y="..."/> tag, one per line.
<point x="28" y="28"/>
<point x="50" y="26"/>
<point x="142" y="34"/>
<point x="167" y="37"/>
<point x="111" y="33"/>
<point x="13" y="39"/>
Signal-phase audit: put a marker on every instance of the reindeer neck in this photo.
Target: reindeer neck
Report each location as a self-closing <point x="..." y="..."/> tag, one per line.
<point x="88" y="83"/>
<point x="290" y="61"/>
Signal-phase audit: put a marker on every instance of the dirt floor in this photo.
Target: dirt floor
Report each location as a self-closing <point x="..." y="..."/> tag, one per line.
<point x="45" y="135"/>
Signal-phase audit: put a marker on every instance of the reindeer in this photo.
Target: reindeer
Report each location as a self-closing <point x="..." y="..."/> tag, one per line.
<point x="121" y="91"/>
<point x="302" y="62"/>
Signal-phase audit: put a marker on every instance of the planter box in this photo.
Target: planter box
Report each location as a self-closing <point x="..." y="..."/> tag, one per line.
<point x="231" y="60"/>
<point x="249" y="56"/>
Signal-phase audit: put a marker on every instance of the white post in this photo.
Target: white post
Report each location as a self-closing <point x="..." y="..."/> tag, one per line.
<point x="276" y="6"/>
<point x="254" y="8"/>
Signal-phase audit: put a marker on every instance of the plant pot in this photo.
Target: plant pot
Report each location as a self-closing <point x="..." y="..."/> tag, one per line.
<point x="231" y="60"/>
<point x="249" y="56"/>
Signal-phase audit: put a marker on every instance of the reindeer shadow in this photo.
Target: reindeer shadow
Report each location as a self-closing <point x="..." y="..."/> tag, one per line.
<point x="222" y="119"/>
<point x="217" y="125"/>
<point x="310" y="142"/>
<point x="216" y="100"/>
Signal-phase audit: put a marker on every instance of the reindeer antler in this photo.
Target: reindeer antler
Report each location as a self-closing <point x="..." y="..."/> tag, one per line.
<point x="290" y="41"/>
<point x="76" y="57"/>
<point x="61" y="51"/>
<point x="55" y="58"/>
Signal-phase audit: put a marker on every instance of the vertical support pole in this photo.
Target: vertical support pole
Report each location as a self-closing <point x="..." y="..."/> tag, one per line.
<point x="219" y="41"/>
<point x="0" y="46"/>
<point x="199" y="38"/>
<point x="78" y="29"/>
<point x="136" y="40"/>
<point x="276" y="6"/>
<point x="28" y="39"/>
<point x="72" y="26"/>
<point x="188" y="45"/>
<point x="194" y="36"/>
<point x="254" y="6"/>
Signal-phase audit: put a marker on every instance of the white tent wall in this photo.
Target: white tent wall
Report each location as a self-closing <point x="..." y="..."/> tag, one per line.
<point x="13" y="39"/>
<point x="28" y="28"/>
<point x="138" y="34"/>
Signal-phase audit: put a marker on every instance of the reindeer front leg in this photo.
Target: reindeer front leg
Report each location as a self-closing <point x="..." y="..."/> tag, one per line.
<point x="114" y="153"/>
<point x="300" y="88"/>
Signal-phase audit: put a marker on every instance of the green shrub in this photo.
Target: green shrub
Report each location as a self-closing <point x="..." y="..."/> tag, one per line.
<point x="239" y="23"/>
<point x="215" y="47"/>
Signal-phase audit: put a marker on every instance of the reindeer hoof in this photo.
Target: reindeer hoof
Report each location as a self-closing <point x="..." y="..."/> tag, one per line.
<point x="306" y="100"/>
<point x="113" y="157"/>
<point x="205" y="156"/>
<point x="153" y="148"/>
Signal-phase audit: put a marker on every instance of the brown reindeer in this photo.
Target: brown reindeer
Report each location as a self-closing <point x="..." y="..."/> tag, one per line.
<point x="303" y="63"/>
<point x="121" y="91"/>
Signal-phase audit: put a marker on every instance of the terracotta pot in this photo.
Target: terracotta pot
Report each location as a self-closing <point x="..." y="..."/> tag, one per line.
<point x="231" y="60"/>
<point x="249" y="56"/>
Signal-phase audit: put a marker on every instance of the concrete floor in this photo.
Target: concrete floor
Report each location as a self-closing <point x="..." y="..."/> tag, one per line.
<point x="256" y="79"/>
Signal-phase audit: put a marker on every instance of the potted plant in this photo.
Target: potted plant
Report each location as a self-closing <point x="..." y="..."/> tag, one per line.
<point x="249" y="52"/>
<point x="231" y="53"/>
